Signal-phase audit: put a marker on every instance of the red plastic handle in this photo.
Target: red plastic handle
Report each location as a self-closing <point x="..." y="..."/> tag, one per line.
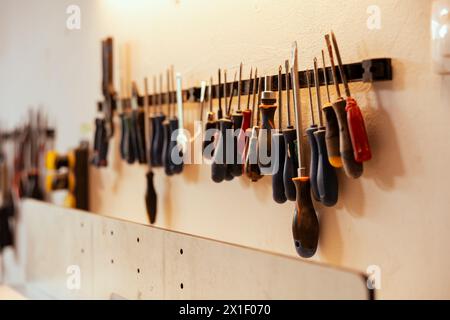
<point x="358" y="134"/>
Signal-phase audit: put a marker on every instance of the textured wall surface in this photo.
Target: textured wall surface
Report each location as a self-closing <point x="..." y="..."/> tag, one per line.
<point x="396" y="216"/>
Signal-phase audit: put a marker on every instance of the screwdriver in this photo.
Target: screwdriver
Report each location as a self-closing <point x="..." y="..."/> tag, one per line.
<point x="151" y="200"/>
<point x="210" y="127"/>
<point x="327" y="182"/>
<point x="252" y="169"/>
<point x="352" y="168"/>
<point x="305" y="225"/>
<point x="312" y="144"/>
<point x="182" y="139"/>
<point x="167" y="131"/>
<point x="158" y="129"/>
<point x="237" y="118"/>
<point x="355" y="119"/>
<point x="220" y="111"/>
<point x="290" y="138"/>
<point x="138" y="125"/>
<point x="267" y="109"/>
<point x="175" y="154"/>
<point x="229" y="136"/>
<point x="278" y="193"/>
<point x="246" y="119"/>
<point x="332" y="126"/>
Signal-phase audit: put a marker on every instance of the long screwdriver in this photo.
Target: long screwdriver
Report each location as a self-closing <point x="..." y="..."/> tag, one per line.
<point x="237" y="118"/>
<point x="139" y="119"/>
<point x="167" y="124"/>
<point x="327" y="182"/>
<point x="332" y="126"/>
<point x="177" y="147"/>
<point x="290" y="138"/>
<point x="210" y="126"/>
<point x="158" y="130"/>
<point x="305" y="225"/>
<point x="355" y="119"/>
<point x="248" y="119"/>
<point x="278" y="193"/>
<point x="312" y="144"/>
<point x="229" y="158"/>
<point x="352" y="168"/>
<point x="151" y="201"/>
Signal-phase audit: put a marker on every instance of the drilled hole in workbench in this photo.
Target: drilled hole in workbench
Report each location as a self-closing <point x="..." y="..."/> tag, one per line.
<point x="138" y="239"/>
<point x="181" y="285"/>
<point x="112" y="232"/>
<point x="112" y="261"/>
<point x="181" y="251"/>
<point x="138" y="270"/>
<point x="82" y="250"/>
<point x="82" y="224"/>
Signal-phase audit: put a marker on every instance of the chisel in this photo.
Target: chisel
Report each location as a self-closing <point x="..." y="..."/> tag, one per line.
<point x="290" y="140"/>
<point x="327" y="182"/>
<point x="305" y="225"/>
<point x="278" y="193"/>
<point x="352" y="168"/>
<point x="355" y="119"/>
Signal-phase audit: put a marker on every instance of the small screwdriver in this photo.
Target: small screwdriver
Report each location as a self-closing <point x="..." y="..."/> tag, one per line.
<point x="175" y="153"/>
<point x="290" y="138"/>
<point x="352" y="168"/>
<point x="139" y="125"/>
<point x="237" y="118"/>
<point x="210" y="127"/>
<point x="229" y="158"/>
<point x="355" y="119"/>
<point x="247" y="118"/>
<point x="305" y="225"/>
<point x="327" y="182"/>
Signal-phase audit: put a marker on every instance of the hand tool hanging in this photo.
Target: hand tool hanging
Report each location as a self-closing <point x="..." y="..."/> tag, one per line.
<point x="290" y="142"/>
<point x="198" y="125"/>
<point x="159" y="125"/>
<point x="252" y="169"/>
<point x="246" y="121"/>
<point x="332" y="126"/>
<point x="210" y="126"/>
<point x="229" y="145"/>
<point x="7" y="208"/>
<point x="305" y="225"/>
<point x="355" y="119"/>
<point x="312" y="144"/>
<point x="327" y="182"/>
<point x="182" y="139"/>
<point x="278" y="193"/>
<point x="151" y="200"/>
<point x="248" y="132"/>
<point x="267" y="109"/>
<point x="33" y="187"/>
<point x="237" y="119"/>
<point x="169" y="123"/>
<point x="138" y="118"/>
<point x="352" y="168"/>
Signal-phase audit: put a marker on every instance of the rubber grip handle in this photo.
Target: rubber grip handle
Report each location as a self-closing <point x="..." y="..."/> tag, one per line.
<point x="158" y="141"/>
<point x="219" y="166"/>
<point x="290" y="163"/>
<point x="131" y="139"/>
<point x="175" y="155"/>
<point x="236" y="167"/>
<point x="140" y="136"/>
<point x="305" y="225"/>
<point x="246" y="119"/>
<point x="252" y="169"/>
<point x="313" y="161"/>
<point x="327" y="181"/>
<point x="122" y="136"/>
<point x="166" y="149"/>
<point x="265" y="139"/>
<point x="332" y="136"/>
<point x="278" y="193"/>
<point x="103" y="143"/>
<point x="208" y="141"/>
<point x="352" y="168"/>
<point x="358" y="133"/>
<point x="151" y="201"/>
<point x="95" y="156"/>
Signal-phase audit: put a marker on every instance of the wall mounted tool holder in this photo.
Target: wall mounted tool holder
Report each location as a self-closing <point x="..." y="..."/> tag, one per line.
<point x="372" y="70"/>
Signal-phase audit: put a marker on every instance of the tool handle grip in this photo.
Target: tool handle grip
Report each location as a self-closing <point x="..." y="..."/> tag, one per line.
<point x="219" y="166"/>
<point x="305" y="225"/>
<point x="327" y="181"/>
<point x="265" y="138"/>
<point x="278" y="193"/>
<point x="252" y="169"/>
<point x="290" y="163"/>
<point x="166" y="149"/>
<point x="158" y="141"/>
<point x="174" y="154"/>
<point x="140" y="136"/>
<point x="236" y="166"/>
<point x="208" y="141"/>
<point x="151" y="200"/>
<point x="122" y="143"/>
<point x="332" y="136"/>
<point x="352" y="168"/>
<point x="246" y="118"/>
<point x="314" y="162"/>
<point x="358" y="133"/>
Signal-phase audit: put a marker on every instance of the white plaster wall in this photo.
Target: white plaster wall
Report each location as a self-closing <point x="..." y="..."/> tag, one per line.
<point x="396" y="216"/>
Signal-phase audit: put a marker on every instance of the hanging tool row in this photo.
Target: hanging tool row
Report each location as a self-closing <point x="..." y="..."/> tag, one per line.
<point x="241" y="141"/>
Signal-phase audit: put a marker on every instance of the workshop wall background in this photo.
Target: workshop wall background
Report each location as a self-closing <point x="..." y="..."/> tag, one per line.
<point x="397" y="216"/>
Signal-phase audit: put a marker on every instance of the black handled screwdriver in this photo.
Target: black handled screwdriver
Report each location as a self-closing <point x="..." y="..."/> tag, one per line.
<point x="158" y="129"/>
<point x="151" y="200"/>
<point x="175" y="155"/>
<point x="167" y="130"/>
<point x="247" y="122"/>
<point x="278" y="192"/>
<point x="290" y="140"/>
<point x="305" y="225"/>
<point x="228" y="133"/>
<point x="312" y="144"/>
<point x="246" y="119"/>
<point x="237" y="118"/>
<point x="139" y="125"/>
<point x="210" y="126"/>
<point x="181" y="138"/>
<point x="352" y="168"/>
<point x="327" y="182"/>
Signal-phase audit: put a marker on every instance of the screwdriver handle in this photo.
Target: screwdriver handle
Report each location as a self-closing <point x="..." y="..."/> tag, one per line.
<point x="176" y="155"/>
<point x="314" y="161"/>
<point x="246" y="119"/>
<point x="166" y="149"/>
<point x="290" y="163"/>
<point x="252" y="169"/>
<point x="265" y="138"/>
<point x="128" y="140"/>
<point x="352" y="168"/>
<point x="140" y="136"/>
<point x="278" y="192"/>
<point x="327" y="182"/>
<point x="305" y="225"/>
<point x="358" y="133"/>
<point x="236" y="167"/>
<point x="332" y="136"/>
<point x="102" y="143"/>
<point x="158" y="141"/>
<point x="208" y="142"/>
<point x="151" y="201"/>
<point x="122" y="136"/>
<point x="219" y="166"/>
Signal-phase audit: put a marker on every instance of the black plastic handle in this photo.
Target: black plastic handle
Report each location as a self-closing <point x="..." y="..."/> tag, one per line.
<point x="102" y="142"/>
<point x="278" y="192"/>
<point x="208" y="143"/>
<point x="166" y="148"/>
<point x="327" y="181"/>
<point x="314" y="161"/>
<point x="352" y="168"/>
<point x="305" y="225"/>
<point x="158" y="140"/>
<point x="122" y="136"/>
<point x="290" y="163"/>
<point x="252" y="169"/>
<point x="265" y="138"/>
<point x="332" y="136"/>
<point x="151" y="200"/>
<point x="175" y="155"/>
<point x="236" y="166"/>
<point x="219" y="166"/>
<point x="140" y="135"/>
